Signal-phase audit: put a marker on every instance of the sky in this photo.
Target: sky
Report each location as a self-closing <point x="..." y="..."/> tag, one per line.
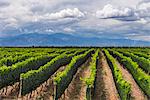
<point x="117" y="19"/>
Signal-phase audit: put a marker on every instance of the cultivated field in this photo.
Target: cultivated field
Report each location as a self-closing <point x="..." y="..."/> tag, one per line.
<point x="75" y="73"/>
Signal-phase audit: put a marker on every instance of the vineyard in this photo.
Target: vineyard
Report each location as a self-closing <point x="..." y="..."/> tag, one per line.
<point x="74" y="73"/>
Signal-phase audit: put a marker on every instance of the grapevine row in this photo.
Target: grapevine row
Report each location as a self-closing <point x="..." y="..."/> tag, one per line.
<point x="139" y="75"/>
<point x="9" y="75"/>
<point x="63" y="79"/>
<point x="91" y="79"/>
<point x="143" y="63"/>
<point x="123" y="86"/>
<point x="32" y="79"/>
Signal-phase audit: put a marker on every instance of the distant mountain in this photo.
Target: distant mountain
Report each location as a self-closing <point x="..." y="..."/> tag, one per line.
<point x="61" y="39"/>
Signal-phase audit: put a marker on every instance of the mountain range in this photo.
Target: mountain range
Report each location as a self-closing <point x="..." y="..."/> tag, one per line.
<point x="62" y="39"/>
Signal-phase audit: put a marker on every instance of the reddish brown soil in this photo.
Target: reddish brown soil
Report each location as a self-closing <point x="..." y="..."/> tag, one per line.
<point x="77" y="88"/>
<point x="105" y="86"/>
<point x="136" y="92"/>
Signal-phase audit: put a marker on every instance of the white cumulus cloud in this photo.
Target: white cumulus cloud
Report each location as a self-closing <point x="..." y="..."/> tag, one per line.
<point x="109" y="12"/>
<point x="65" y="13"/>
<point x="139" y="14"/>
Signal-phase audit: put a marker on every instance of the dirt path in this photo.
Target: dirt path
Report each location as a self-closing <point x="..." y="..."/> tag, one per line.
<point x="77" y="88"/>
<point x="10" y="92"/>
<point x="136" y="92"/>
<point x="105" y="87"/>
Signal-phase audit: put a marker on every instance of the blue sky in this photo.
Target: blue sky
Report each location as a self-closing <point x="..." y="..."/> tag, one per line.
<point x="127" y="19"/>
